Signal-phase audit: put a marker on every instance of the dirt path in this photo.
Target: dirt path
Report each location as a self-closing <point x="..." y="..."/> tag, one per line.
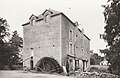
<point x="22" y="74"/>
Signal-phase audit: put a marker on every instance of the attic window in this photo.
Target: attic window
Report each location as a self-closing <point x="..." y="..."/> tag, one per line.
<point x="32" y="22"/>
<point x="47" y="17"/>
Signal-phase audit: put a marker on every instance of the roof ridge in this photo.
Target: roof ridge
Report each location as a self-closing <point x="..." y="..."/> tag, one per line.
<point x="54" y="12"/>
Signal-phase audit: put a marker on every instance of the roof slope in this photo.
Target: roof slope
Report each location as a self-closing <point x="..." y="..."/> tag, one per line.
<point x="51" y="12"/>
<point x="41" y="16"/>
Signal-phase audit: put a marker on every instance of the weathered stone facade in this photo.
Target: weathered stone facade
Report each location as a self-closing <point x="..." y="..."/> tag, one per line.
<point x="52" y="34"/>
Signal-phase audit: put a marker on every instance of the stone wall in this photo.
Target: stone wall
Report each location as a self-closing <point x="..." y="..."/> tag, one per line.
<point x="49" y="37"/>
<point x="44" y="38"/>
<point x="81" y="42"/>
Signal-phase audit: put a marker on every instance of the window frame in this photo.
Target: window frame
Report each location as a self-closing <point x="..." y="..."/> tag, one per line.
<point x="32" y="22"/>
<point x="71" y="34"/>
<point x="76" y="50"/>
<point x="76" y="36"/>
<point x="71" y="48"/>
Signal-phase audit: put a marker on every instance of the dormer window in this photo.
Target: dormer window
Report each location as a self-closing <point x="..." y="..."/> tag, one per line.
<point x="32" y="19"/>
<point x="32" y="22"/>
<point x="47" y="15"/>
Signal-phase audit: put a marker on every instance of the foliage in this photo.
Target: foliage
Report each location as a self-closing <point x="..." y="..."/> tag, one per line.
<point x="97" y="75"/>
<point x="9" y="46"/>
<point x="15" y="45"/>
<point x="95" y="59"/>
<point x="3" y="33"/>
<point x="112" y="34"/>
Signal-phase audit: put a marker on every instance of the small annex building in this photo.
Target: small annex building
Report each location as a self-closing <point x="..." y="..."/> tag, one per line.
<point x="52" y="34"/>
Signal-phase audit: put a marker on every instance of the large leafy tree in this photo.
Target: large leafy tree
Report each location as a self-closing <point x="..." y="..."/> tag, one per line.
<point x="15" y="46"/>
<point x="112" y="34"/>
<point x="4" y="32"/>
<point x="9" y="46"/>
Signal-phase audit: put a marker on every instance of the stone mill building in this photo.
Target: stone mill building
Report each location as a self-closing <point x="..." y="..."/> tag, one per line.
<point x="52" y="34"/>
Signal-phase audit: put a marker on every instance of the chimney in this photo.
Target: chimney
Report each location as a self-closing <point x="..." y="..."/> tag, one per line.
<point x="76" y="23"/>
<point x="83" y="30"/>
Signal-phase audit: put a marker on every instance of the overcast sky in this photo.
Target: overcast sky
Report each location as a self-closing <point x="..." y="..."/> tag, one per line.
<point x="87" y="12"/>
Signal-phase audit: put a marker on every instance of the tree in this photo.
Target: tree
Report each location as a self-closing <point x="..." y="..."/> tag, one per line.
<point x="4" y="32"/>
<point x="15" y="46"/>
<point x="112" y="34"/>
<point x="4" y="28"/>
<point x="9" y="46"/>
<point x="95" y="59"/>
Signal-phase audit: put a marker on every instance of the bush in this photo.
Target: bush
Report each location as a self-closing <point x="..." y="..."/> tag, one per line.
<point x="97" y="75"/>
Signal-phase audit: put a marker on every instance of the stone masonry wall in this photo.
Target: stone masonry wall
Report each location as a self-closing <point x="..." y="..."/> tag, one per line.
<point x="50" y="38"/>
<point x="81" y="42"/>
<point x="44" y="38"/>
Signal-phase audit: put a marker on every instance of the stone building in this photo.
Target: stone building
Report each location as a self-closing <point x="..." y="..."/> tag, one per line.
<point x="53" y="34"/>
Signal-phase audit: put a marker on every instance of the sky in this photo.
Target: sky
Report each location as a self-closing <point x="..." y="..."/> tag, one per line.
<point x="88" y="13"/>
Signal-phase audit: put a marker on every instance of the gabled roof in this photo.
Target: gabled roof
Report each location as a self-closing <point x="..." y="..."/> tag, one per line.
<point x="83" y="34"/>
<point x="41" y="16"/>
<point x="51" y="11"/>
<point x="33" y="16"/>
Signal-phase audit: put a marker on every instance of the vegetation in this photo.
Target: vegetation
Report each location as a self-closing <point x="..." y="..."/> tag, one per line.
<point x="97" y="75"/>
<point x="9" y="46"/>
<point x="95" y="59"/>
<point x="112" y="34"/>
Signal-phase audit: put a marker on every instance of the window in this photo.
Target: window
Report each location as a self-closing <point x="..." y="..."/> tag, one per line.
<point x="70" y="48"/>
<point x="76" y="50"/>
<point x="76" y="37"/>
<point x="32" y="22"/>
<point x="70" y="34"/>
<point x="76" y="64"/>
<point x="82" y="49"/>
<point x="47" y="17"/>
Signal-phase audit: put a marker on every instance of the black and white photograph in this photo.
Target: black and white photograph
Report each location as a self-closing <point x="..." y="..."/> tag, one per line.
<point x="59" y="38"/>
